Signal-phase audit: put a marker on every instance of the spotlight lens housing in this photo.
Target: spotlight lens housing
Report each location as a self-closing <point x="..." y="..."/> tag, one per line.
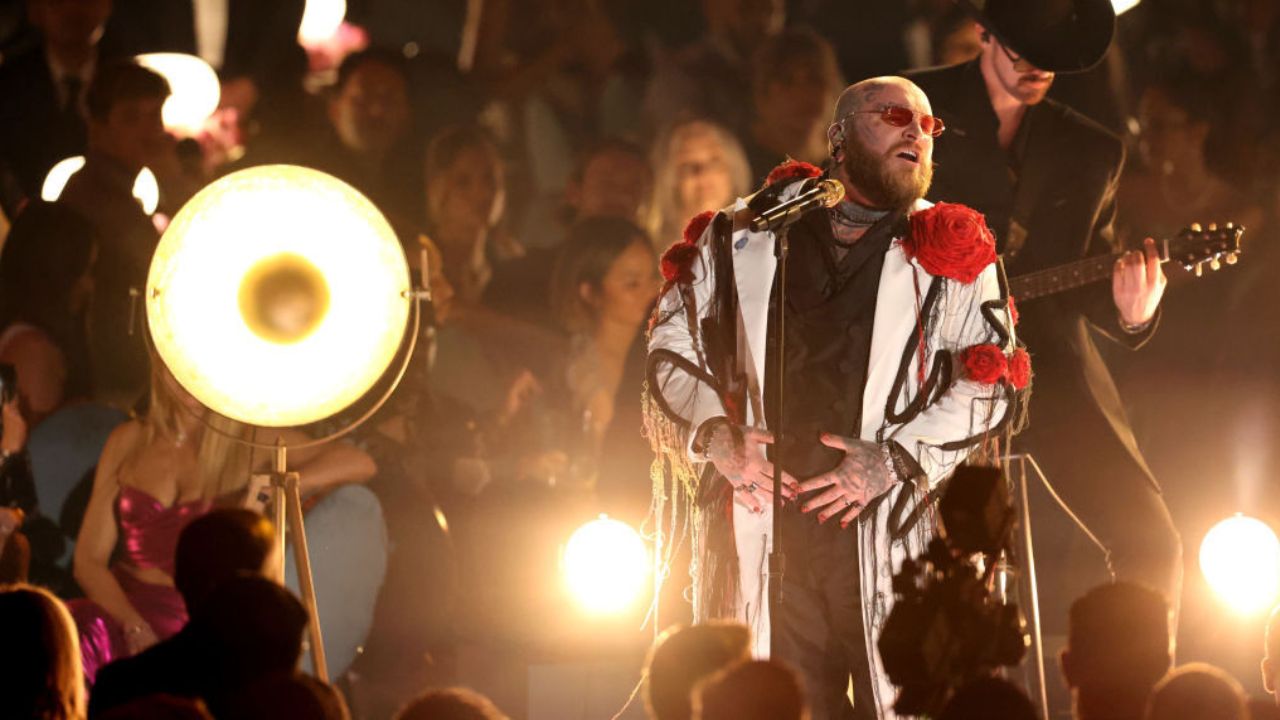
<point x="278" y="295"/>
<point x="606" y="566"/>
<point x="1240" y="559"/>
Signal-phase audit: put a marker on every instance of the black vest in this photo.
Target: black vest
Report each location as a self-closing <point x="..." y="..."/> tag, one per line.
<point x="831" y="305"/>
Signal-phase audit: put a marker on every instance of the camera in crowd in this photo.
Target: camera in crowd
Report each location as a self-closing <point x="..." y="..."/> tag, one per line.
<point x="947" y="625"/>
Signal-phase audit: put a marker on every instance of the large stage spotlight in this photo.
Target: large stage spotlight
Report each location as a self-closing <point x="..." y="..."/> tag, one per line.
<point x="145" y="189"/>
<point x="606" y="566"/>
<point x="1240" y="559"/>
<point x="194" y="90"/>
<point x="1124" y="6"/>
<point x="277" y="297"/>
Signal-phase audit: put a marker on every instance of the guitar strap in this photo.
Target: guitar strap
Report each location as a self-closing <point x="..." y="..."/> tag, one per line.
<point x="1028" y="177"/>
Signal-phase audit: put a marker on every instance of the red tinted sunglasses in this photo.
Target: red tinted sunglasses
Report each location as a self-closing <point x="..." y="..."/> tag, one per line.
<point x="902" y="117"/>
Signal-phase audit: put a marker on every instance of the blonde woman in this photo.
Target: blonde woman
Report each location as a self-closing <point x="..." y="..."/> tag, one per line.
<point x="697" y="166"/>
<point x="40" y="672"/>
<point x="465" y="193"/>
<point x="156" y="474"/>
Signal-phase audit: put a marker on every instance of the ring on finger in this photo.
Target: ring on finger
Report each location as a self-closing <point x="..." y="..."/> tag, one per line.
<point x="751" y="488"/>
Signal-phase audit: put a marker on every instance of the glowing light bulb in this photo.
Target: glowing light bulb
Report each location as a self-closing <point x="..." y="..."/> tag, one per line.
<point x="606" y="566"/>
<point x="1240" y="559"/>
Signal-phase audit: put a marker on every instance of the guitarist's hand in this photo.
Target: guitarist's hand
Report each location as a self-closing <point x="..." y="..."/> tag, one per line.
<point x="1138" y="283"/>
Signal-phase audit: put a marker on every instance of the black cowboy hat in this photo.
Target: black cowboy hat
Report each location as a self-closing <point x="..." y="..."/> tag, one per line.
<point x="1061" y="36"/>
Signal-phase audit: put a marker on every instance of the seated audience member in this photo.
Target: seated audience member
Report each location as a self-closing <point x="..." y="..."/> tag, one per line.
<point x="40" y="672"/>
<point x="753" y="690"/>
<point x="160" y="707"/>
<point x="46" y="280"/>
<point x="213" y="549"/>
<point x="793" y="78"/>
<point x="611" y="178"/>
<point x="712" y="76"/>
<point x="1271" y="658"/>
<point x="249" y="628"/>
<point x="465" y="202"/>
<point x="126" y="134"/>
<point x="156" y="474"/>
<point x="450" y="704"/>
<point x="287" y="695"/>
<point x="602" y="290"/>
<point x="587" y="82"/>
<point x="1197" y="691"/>
<point x="988" y="698"/>
<point x="684" y="656"/>
<point x="369" y="112"/>
<point x="42" y="119"/>
<point x="697" y="166"/>
<point x="1118" y="648"/>
<point x="45" y="285"/>
<point x="1174" y="184"/>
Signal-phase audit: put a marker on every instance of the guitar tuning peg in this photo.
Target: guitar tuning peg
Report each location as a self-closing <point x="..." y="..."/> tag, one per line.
<point x="1230" y="226"/>
<point x="1233" y="258"/>
<point x="1195" y="227"/>
<point x="1199" y="269"/>
<point x="1215" y="264"/>
<point x="1213" y="227"/>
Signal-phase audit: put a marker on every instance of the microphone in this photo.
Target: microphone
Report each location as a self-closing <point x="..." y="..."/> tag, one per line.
<point x="825" y="193"/>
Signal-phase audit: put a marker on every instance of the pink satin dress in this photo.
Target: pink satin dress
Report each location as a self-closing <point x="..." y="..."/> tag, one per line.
<point x="148" y="539"/>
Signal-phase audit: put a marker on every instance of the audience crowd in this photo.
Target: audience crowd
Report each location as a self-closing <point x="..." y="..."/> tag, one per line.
<point x="534" y="159"/>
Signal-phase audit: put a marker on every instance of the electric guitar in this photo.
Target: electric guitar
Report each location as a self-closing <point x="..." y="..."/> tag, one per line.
<point x="1193" y="248"/>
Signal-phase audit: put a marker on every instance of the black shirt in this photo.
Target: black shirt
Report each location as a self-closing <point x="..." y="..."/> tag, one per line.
<point x="831" y="303"/>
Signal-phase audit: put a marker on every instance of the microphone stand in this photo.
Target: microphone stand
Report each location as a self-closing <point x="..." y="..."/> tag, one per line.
<point x="777" y="556"/>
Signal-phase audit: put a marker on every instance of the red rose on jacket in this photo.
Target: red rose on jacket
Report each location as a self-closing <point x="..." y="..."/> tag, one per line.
<point x="952" y="241"/>
<point x="792" y="170"/>
<point x="984" y="364"/>
<point x="698" y="225"/>
<point x="677" y="262"/>
<point x="1019" y="369"/>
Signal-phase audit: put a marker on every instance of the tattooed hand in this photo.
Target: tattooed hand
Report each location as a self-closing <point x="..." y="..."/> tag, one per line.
<point x="861" y="477"/>
<point x="743" y="464"/>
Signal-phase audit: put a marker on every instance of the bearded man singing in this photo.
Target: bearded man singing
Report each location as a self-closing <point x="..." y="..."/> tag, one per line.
<point x="900" y="361"/>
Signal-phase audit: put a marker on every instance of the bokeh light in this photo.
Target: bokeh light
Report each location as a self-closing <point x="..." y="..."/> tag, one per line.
<point x="145" y="187"/>
<point x="195" y="90"/>
<point x="606" y="566"/>
<point x="1240" y="559"/>
<point x="59" y="174"/>
<point x="278" y="295"/>
<point x="1123" y="6"/>
<point x="320" y="20"/>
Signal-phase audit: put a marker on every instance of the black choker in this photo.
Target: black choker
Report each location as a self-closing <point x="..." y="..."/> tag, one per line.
<point x="853" y="214"/>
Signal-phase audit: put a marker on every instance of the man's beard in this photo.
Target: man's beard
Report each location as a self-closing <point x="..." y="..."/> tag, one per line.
<point x="885" y="187"/>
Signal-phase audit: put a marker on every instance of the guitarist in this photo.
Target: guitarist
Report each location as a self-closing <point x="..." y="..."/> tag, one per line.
<point x="1046" y="177"/>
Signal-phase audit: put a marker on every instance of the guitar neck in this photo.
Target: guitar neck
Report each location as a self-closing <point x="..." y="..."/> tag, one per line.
<point x="1067" y="277"/>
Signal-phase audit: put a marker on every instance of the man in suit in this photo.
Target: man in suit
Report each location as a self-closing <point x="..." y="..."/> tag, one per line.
<point x="1046" y="177"/>
<point x="42" y="118"/>
<point x="126" y="134"/>
<point x="874" y="416"/>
